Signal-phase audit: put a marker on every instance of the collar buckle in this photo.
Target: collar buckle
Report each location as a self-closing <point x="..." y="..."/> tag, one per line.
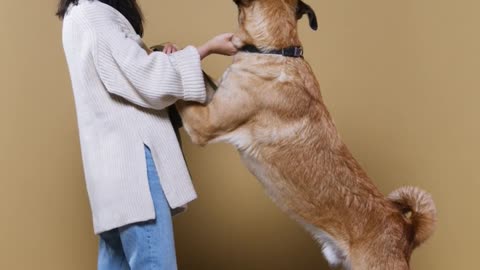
<point x="293" y="52"/>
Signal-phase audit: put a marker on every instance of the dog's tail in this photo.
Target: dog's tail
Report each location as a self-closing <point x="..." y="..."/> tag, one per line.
<point x="419" y="210"/>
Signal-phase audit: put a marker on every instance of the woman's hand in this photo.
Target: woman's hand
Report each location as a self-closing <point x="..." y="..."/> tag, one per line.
<point x="221" y="44"/>
<point x="169" y="48"/>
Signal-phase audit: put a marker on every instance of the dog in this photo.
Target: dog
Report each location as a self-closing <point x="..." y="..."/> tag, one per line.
<point x="269" y="106"/>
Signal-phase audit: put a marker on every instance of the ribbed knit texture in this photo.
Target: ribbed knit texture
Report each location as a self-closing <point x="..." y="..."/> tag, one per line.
<point x="120" y="94"/>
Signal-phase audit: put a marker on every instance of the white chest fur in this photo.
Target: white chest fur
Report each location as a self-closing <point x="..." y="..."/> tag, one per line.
<point x="243" y="140"/>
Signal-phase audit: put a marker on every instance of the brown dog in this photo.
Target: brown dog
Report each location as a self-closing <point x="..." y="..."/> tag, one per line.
<point x="269" y="107"/>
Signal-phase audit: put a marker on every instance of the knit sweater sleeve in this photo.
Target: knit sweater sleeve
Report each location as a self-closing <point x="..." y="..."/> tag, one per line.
<point x="154" y="80"/>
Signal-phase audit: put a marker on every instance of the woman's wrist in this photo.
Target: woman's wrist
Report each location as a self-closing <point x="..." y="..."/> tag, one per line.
<point x="221" y="44"/>
<point x="204" y="50"/>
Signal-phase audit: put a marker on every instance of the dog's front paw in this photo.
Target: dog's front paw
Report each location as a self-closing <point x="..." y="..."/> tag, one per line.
<point x="237" y="41"/>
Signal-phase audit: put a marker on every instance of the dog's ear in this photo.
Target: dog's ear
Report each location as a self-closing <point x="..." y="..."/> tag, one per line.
<point x="242" y="3"/>
<point x="303" y="9"/>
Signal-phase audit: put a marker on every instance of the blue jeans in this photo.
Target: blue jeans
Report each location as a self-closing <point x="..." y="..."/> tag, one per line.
<point x="142" y="246"/>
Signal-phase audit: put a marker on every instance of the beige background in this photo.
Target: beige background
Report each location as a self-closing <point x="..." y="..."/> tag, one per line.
<point x="400" y="77"/>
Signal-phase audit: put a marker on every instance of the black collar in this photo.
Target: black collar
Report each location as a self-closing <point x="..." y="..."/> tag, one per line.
<point x="295" y="51"/>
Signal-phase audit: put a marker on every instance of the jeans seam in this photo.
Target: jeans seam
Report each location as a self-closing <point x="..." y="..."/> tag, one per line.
<point x="150" y="171"/>
<point x="150" y="250"/>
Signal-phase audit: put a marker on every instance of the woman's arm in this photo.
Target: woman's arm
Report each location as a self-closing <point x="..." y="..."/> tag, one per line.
<point x="153" y="80"/>
<point x="221" y="44"/>
<point x="149" y="80"/>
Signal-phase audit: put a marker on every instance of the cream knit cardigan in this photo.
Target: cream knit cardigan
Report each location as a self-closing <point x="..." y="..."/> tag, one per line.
<point x="120" y="95"/>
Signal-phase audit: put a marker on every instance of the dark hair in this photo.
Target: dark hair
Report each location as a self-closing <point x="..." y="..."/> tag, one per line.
<point x="129" y="8"/>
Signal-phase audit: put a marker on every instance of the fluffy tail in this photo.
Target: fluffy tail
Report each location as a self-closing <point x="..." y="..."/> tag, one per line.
<point x="419" y="208"/>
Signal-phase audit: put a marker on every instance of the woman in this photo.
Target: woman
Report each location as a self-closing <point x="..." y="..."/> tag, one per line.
<point x="134" y="168"/>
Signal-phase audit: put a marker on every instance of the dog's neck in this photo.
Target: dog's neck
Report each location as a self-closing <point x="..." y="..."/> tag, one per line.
<point x="270" y="38"/>
<point x="293" y="51"/>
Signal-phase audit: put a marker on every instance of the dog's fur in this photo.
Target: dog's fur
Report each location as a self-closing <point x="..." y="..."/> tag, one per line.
<point x="270" y="108"/>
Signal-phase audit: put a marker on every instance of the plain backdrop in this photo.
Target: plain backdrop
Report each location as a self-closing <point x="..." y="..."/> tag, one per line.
<point x="401" y="79"/>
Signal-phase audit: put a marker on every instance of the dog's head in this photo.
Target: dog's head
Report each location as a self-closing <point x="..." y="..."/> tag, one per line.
<point x="271" y="23"/>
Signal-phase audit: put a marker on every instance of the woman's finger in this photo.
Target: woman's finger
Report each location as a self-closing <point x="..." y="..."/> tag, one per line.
<point x="228" y="36"/>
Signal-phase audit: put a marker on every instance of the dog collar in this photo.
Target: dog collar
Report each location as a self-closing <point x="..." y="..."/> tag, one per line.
<point x="295" y="51"/>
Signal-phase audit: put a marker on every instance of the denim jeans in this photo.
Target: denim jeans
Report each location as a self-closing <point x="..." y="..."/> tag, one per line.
<point x="142" y="246"/>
